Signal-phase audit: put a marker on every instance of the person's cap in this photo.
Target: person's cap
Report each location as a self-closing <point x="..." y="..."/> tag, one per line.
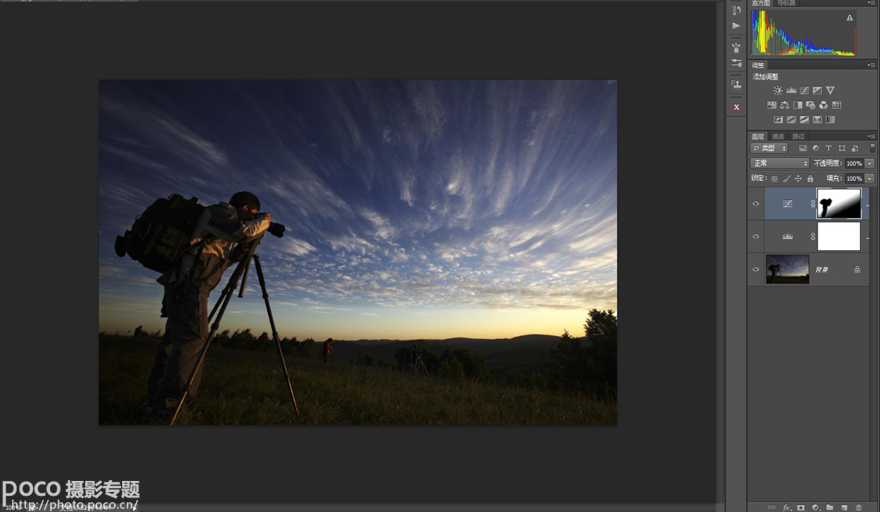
<point x="244" y="198"/>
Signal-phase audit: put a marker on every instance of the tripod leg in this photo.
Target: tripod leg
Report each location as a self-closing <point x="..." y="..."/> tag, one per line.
<point x="226" y="290"/>
<point x="259" y="269"/>
<point x="243" y="282"/>
<point x="225" y="297"/>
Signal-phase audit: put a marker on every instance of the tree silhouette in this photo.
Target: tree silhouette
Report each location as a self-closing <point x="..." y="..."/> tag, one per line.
<point x="600" y="323"/>
<point x="601" y="329"/>
<point x="222" y="338"/>
<point x="243" y="338"/>
<point x="589" y="364"/>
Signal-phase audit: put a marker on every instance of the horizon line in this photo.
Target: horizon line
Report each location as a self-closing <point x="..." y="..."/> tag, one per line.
<point x="130" y="332"/>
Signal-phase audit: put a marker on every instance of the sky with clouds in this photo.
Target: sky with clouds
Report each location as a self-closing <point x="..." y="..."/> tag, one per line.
<point x="415" y="209"/>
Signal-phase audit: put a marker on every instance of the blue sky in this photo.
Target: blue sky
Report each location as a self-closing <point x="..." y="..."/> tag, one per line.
<point x="415" y="209"/>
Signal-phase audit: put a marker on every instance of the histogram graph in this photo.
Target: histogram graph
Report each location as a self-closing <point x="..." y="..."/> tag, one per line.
<point x="809" y="33"/>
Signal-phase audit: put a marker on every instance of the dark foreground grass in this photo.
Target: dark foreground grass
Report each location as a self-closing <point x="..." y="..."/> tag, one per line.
<point x="244" y="387"/>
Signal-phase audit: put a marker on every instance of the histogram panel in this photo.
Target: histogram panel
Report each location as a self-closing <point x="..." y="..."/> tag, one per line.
<point x="813" y="32"/>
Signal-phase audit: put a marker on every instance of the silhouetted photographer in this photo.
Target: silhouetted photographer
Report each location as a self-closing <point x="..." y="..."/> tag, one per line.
<point x="224" y="233"/>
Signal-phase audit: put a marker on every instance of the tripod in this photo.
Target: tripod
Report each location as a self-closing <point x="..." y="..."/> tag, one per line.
<point x="220" y="307"/>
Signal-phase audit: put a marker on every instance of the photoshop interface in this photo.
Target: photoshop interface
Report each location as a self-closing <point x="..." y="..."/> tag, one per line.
<point x="470" y="202"/>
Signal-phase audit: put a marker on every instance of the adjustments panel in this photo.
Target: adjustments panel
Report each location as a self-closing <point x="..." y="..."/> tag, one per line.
<point x="803" y="76"/>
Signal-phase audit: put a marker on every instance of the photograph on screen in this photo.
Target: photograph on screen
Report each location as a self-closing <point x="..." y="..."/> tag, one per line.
<point x="376" y="252"/>
<point x="788" y="269"/>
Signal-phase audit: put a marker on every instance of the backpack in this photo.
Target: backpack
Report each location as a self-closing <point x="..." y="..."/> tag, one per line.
<point x="162" y="233"/>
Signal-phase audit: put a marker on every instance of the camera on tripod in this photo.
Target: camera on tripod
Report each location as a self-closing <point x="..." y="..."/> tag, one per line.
<point x="277" y="229"/>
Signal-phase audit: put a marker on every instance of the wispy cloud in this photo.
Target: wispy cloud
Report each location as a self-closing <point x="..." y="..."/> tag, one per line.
<point x="381" y="225"/>
<point x="133" y="157"/>
<point x="298" y="247"/>
<point x="169" y="134"/>
<point x="350" y="243"/>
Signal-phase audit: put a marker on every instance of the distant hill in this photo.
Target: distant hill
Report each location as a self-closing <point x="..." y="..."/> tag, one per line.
<point x="524" y="339"/>
<point x="539" y="339"/>
<point x="526" y="350"/>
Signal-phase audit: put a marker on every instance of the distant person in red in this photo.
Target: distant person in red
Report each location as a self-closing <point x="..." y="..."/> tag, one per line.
<point x="328" y="349"/>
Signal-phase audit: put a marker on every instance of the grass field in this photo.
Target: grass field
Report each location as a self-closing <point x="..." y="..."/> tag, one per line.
<point x="246" y="387"/>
